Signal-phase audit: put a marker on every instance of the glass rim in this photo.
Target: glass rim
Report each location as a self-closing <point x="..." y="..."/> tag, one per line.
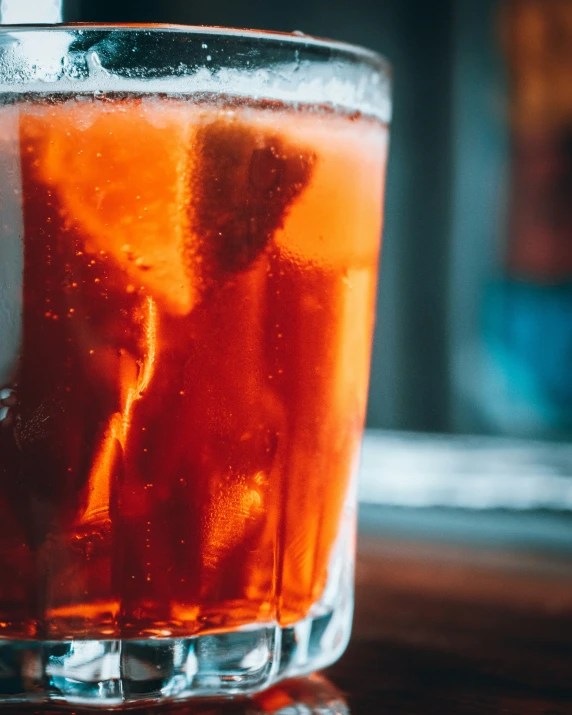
<point x="155" y="57"/>
<point x="351" y="52"/>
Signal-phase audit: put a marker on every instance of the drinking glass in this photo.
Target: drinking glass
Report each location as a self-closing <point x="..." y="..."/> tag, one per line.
<point x="189" y="241"/>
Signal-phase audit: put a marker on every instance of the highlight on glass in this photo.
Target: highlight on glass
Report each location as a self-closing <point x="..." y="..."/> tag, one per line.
<point x="189" y="243"/>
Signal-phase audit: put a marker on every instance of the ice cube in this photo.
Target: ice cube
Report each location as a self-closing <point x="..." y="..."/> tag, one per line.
<point x="244" y="180"/>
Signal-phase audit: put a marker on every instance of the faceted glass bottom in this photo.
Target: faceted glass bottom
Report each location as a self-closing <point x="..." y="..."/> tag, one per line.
<point x="116" y="673"/>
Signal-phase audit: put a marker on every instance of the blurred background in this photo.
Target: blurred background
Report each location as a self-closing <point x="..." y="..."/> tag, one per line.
<point x="474" y="330"/>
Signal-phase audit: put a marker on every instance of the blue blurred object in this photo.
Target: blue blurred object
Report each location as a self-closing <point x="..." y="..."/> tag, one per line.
<point x="527" y="336"/>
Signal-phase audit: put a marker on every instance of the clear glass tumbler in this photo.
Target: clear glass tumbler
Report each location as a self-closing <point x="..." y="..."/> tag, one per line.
<point x="189" y="242"/>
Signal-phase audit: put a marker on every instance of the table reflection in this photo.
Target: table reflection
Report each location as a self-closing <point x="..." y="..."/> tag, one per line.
<point x="303" y="696"/>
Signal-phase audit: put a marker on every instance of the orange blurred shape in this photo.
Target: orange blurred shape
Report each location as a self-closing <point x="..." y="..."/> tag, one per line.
<point x="123" y="175"/>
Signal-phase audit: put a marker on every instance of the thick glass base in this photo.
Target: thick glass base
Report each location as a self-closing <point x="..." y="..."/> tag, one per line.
<point x="122" y="673"/>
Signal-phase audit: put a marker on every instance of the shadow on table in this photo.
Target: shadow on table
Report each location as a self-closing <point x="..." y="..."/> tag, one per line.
<point x="303" y="696"/>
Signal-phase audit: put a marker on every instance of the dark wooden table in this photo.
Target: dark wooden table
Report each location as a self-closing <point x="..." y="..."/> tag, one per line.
<point x="459" y="631"/>
<point x="441" y="629"/>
